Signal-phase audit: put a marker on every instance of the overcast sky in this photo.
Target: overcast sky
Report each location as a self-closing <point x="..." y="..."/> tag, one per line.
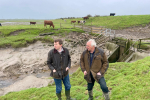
<point x="52" y="9"/>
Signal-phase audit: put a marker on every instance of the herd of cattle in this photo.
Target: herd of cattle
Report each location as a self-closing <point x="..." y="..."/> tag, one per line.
<point x="50" y="23"/>
<point x="79" y="22"/>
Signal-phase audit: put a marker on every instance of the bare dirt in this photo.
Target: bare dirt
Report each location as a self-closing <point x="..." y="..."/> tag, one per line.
<point x="17" y="32"/>
<point x="134" y="32"/>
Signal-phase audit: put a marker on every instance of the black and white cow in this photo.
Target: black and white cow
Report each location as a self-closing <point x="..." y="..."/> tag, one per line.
<point x="82" y="22"/>
<point x="0" y="24"/>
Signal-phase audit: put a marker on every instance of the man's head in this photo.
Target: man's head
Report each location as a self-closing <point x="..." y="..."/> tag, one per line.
<point x="90" y="45"/>
<point x="58" y="44"/>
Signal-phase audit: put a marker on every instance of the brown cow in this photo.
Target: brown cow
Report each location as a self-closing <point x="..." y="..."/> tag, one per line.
<point x="32" y="23"/>
<point x="50" y="23"/>
<point x="85" y="18"/>
<point x="73" y="22"/>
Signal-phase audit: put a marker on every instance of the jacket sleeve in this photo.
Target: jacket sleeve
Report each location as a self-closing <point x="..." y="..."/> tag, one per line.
<point x="50" y="61"/>
<point x="82" y="63"/>
<point x="105" y="64"/>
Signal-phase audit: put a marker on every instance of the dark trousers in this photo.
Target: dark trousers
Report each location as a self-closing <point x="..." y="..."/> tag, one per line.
<point x="101" y="82"/>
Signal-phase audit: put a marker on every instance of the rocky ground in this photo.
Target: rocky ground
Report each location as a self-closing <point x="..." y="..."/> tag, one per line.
<point x="28" y="64"/>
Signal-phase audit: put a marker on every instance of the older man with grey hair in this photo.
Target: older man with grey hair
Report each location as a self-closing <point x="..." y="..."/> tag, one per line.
<point x="94" y="64"/>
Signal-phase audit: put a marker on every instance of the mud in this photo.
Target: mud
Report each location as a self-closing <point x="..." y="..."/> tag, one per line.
<point x="17" y="32"/>
<point x="134" y="32"/>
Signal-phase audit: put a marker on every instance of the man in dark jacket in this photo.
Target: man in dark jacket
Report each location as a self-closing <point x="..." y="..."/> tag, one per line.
<point x="59" y="62"/>
<point x="94" y="64"/>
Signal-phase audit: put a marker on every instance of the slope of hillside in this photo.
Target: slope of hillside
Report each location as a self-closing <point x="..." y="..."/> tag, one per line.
<point x="114" y="22"/>
<point x="126" y="81"/>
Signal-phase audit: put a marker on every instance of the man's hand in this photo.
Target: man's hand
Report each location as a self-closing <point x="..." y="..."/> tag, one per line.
<point x="85" y="72"/>
<point x="54" y="70"/>
<point x="98" y="73"/>
<point x="67" y="68"/>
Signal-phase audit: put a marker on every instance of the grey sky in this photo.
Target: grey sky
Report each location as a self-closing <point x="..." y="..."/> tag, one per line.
<point x="52" y="9"/>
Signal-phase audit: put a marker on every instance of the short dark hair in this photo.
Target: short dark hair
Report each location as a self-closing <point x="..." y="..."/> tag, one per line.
<point x="59" y="40"/>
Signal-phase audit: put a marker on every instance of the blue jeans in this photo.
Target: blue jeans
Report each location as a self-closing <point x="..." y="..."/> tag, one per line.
<point x="66" y="82"/>
<point x="101" y="82"/>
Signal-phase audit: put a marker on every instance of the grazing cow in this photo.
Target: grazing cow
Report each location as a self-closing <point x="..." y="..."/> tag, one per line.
<point x="50" y="23"/>
<point x="85" y="18"/>
<point x="0" y="24"/>
<point x="73" y="22"/>
<point x="82" y="22"/>
<point x="32" y="23"/>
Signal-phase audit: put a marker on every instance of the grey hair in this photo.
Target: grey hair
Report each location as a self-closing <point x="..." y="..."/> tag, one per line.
<point x="93" y="43"/>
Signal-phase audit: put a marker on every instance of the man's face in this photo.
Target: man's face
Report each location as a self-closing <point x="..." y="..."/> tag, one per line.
<point x="88" y="46"/>
<point x="57" y="46"/>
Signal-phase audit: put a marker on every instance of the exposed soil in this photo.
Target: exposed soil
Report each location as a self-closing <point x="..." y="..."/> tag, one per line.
<point x="17" y="32"/>
<point x="134" y="32"/>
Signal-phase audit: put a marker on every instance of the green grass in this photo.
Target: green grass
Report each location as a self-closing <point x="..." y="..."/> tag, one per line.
<point x="127" y="81"/>
<point x="30" y="34"/>
<point x="116" y="22"/>
<point x="120" y="22"/>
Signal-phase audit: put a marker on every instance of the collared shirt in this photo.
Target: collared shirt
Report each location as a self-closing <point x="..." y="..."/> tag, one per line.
<point x="61" y="50"/>
<point x="91" y="57"/>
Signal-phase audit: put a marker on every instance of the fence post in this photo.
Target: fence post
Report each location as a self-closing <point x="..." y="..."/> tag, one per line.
<point x="82" y="26"/>
<point x="74" y="25"/>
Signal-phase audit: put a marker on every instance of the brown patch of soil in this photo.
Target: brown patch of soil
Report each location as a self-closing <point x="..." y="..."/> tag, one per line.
<point x="134" y="32"/>
<point x="17" y="32"/>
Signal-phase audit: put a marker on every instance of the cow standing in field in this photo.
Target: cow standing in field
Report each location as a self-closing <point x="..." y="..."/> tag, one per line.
<point x="0" y="24"/>
<point x="82" y="22"/>
<point x="50" y="23"/>
<point x="78" y="22"/>
<point x="73" y="22"/>
<point x="85" y="18"/>
<point x="32" y="23"/>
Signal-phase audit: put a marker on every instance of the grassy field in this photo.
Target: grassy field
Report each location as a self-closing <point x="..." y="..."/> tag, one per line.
<point x="126" y="81"/>
<point x="117" y="22"/>
<point x="30" y="33"/>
